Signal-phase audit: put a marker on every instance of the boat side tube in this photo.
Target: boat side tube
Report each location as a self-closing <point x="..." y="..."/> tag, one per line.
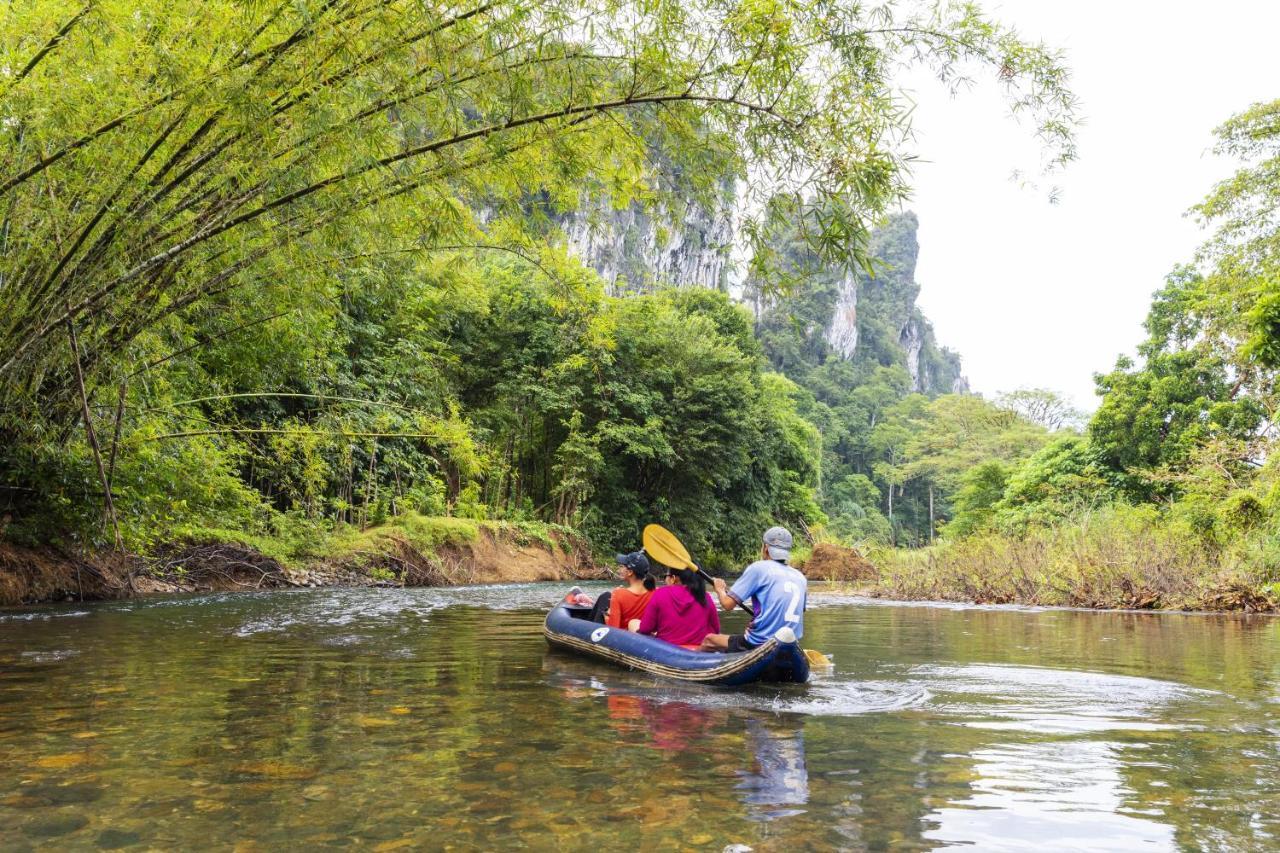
<point x="780" y="659"/>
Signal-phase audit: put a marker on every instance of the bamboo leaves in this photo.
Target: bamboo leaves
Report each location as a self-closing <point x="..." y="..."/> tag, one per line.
<point x="171" y="152"/>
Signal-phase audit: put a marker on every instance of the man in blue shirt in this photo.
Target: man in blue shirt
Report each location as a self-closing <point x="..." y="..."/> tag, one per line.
<point x="778" y="590"/>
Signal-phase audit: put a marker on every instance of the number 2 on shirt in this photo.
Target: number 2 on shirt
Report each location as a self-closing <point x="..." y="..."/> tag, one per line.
<point x="793" y="616"/>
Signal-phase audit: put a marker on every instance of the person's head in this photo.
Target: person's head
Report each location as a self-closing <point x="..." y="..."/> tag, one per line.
<point x="635" y="567"/>
<point x="776" y="544"/>
<point x="691" y="580"/>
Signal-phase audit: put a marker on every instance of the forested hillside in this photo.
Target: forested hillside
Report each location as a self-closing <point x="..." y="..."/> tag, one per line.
<point x="273" y="270"/>
<point x="882" y="393"/>
<point x="865" y="358"/>
<point x="1171" y="496"/>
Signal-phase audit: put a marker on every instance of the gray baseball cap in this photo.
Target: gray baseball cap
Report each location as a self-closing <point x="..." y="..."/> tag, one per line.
<point x="778" y="539"/>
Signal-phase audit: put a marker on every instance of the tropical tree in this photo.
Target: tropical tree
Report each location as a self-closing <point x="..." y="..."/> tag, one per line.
<point x="165" y="160"/>
<point x="1238" y="302"/>
<point x="1042" y="406"/>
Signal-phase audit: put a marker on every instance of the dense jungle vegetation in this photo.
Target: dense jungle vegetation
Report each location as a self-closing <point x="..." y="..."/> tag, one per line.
<point x="274" y="267"/>
<point x="1170" y="496"/>
<point x="272" y="271"/>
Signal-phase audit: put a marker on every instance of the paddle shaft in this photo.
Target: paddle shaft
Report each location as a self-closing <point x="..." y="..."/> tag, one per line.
<point x="712" y="581"/>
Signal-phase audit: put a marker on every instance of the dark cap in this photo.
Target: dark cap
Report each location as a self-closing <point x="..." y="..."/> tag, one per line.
<point x="636" y="561"/>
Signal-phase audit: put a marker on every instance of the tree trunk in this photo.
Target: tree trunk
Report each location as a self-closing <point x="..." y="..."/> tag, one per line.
<point x="930" y="513"/>
<point x="93" y="436"/>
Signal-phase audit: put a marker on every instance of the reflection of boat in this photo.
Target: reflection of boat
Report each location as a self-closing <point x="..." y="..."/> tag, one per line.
<point x="780" y="659"/>
<point x="780" y="777"/>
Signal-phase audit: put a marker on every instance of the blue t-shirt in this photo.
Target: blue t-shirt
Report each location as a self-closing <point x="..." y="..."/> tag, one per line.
<point x="780" y="593"/>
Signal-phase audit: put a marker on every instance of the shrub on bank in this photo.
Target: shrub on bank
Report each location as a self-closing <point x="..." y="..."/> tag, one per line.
<point x="1114" y="556"/>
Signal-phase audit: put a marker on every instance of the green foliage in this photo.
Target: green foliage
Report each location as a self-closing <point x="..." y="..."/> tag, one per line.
<point x="692" y="433"/>
<point x="307" y="255"/>
<point x="421" y="533"/>
<point x="981" y="488"/>
<point x="1158" y="415"/>
<point x="1061" y="479"/>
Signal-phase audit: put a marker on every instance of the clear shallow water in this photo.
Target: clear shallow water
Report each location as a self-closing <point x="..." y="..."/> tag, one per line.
<point x="437" y="718"/>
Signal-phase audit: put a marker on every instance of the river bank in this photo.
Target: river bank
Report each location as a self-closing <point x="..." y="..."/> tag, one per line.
<point x="1110" y="561"/>
<point x="410" y="550"/>
<point x="1048" y="568"/>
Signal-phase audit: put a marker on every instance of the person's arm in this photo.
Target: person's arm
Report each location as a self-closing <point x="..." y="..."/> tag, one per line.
<point x="614" y="617"/>
<point x="727" y="601"/>
<point x="713" y="620"/>
<point x="745" y="588"/>
<point x="649" y="621"/>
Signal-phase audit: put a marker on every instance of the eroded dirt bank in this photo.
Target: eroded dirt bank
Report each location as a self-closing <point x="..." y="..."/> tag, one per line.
<point x="384" y="558"/>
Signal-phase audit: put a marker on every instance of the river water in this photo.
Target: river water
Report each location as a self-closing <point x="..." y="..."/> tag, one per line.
<point x="438" y="718"/>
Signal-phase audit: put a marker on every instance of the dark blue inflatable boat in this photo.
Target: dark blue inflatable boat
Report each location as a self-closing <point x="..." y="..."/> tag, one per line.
<point x="780" y="659"/>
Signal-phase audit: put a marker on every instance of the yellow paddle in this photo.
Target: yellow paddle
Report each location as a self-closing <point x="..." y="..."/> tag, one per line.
<point x="663" y="546"/>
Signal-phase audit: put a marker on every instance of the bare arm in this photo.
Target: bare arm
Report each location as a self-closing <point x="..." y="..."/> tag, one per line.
<point x="727" y="601"/>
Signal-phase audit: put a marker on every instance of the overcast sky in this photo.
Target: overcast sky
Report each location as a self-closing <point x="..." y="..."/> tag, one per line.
<point x="1039" y="295"/>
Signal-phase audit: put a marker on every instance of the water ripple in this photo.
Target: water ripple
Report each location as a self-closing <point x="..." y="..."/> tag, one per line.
<point x="1057" y="701"/>
<point x="41" y="615"/>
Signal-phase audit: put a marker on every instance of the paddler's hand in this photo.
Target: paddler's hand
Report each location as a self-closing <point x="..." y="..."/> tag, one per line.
<point x="727" y="602"/>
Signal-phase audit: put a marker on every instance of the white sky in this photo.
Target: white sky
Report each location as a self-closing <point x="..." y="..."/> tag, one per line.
<point x="1039" y="295"/>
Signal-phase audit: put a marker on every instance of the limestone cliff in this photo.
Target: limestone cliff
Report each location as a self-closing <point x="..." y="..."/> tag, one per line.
<point x="685" y="244"/>
<point x="837" y="313"/>
<point x="842" y="331"/>
<point x="859" y="317"/>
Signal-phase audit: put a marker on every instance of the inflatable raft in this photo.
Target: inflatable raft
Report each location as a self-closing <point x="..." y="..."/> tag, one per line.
<point x="779" y="660"/>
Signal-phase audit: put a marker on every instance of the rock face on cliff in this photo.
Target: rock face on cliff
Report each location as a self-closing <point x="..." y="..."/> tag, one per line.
<point x="842" y="331"/>
<point x="865" y="319"/>
<point x="688" y="246"/>
<point x="836" y="313"/>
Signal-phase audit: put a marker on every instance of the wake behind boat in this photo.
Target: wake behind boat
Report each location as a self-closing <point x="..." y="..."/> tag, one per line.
<point x="778" y="660"/>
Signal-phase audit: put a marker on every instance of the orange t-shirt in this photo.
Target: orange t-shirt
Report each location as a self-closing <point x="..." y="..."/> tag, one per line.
<point x="625" y="606"/>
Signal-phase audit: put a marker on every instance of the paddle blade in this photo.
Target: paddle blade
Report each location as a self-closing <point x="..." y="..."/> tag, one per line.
<point x="817" y="658"/>
<point x="663" y="546"/>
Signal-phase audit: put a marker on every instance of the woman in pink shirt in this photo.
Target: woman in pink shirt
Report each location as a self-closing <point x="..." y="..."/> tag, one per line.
<point x="681" y="612"/>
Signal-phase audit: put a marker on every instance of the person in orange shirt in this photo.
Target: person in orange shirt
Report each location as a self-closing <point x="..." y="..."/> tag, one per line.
<point x="623" y="607"/>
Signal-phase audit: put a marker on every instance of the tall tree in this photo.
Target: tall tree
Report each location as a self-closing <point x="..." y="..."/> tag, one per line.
<point x="161" y="160"/>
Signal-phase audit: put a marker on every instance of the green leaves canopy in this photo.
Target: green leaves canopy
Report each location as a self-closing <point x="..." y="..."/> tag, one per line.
<point x="168" y="159"/>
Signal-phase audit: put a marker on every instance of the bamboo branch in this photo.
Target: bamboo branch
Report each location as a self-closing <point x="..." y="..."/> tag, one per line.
<point x="115" y="435"/>
<point x="201" y="340"/>
<point x="50" y="45"/>
<point x="274" y="431"/>
<point x="93" y="437"/>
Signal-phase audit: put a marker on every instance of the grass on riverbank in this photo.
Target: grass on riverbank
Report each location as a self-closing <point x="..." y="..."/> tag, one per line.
<point x="298" y="542"/>
<point x="418" y="550"/>
<point x="409" y="550"/>
<point x="1115" y="557"/>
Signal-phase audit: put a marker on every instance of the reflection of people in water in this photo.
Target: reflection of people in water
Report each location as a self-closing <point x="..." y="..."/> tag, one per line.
<point x="671" y="726"/>
<point x="777" y="775"/>
<point x="781" y="777"/>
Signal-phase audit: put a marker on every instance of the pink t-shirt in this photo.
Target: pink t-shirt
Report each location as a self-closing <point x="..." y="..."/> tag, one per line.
<point x="675" y="616"/>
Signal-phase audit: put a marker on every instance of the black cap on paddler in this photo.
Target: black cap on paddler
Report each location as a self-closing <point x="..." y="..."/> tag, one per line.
<point x="636" y="561"/>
